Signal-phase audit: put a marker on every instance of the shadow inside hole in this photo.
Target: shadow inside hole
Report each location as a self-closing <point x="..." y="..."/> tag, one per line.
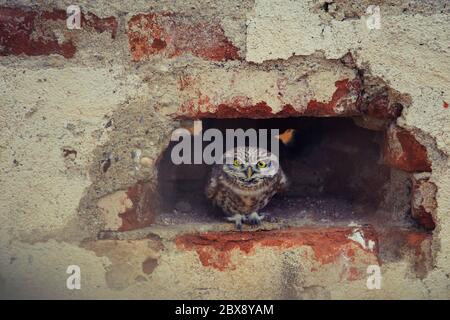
<point x="334" y="168"/>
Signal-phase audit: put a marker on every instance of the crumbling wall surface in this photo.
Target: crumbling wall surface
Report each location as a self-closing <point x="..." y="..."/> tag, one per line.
<point x="85" y="115"/>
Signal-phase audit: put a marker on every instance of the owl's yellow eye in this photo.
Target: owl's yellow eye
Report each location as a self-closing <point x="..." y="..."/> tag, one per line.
<point x="236" y="163"/>
<point x="261" y="164"/>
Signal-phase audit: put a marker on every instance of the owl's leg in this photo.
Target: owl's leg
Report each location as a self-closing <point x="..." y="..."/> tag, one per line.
<point x="237" y="219"/>
<point x="255" y="218"/>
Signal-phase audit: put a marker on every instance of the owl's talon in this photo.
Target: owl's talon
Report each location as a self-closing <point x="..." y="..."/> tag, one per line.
<point x="255" y="218"/>
<point x="238" y="219"/>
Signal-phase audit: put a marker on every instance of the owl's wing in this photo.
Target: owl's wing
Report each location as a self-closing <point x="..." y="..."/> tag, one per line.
<point x="212" y="184"/>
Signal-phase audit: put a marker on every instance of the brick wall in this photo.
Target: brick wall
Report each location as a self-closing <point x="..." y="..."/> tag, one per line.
<point x="86" y="115"/>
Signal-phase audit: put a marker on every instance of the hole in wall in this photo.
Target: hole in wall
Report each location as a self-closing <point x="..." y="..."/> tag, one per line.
<point x="335" y="169"/>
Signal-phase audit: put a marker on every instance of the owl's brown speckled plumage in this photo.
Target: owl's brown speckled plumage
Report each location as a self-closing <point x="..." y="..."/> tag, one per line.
<point x="241" y="189"/>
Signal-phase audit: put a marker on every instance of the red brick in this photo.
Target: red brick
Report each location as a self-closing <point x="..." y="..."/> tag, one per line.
<point x="218" y="101"/>
<point x="32" y="32"/>
<point x="404" y="152"/>
<point x="416" y="242"/>
<point x="342" y="98"/>
<point x="142" y="213"/>
<point x="423" y="201"/>
<point x="16" y="33"/>
<point x="172" y="35"/>
<point x="335" y="247"/>
<point x="328" y="244"/>
<point x="100" y="25"/>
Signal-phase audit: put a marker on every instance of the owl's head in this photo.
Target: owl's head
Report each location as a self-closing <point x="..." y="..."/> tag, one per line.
<point x="250" y="164"/>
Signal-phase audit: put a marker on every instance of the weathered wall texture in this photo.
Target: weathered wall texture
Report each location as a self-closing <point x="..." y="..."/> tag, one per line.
<point x="85" y="115"/>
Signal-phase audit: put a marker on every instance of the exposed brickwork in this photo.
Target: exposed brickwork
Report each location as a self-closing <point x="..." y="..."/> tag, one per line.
<point x="296" y="97"/>
<point x="24" y="32"/>
<point x="111" y="206"/>
<point x="36" y="33"/>
<point x="423" y="201"/>
<point x="108" y="24"/>
<point x="174" y="35"/>
<point x="343" y="99"/>
<point x="129" y="209"/>
<point x="142" y="213"/>
<point x="359" y="247"/>
<point x="328" y="244"/>
<point x="404" y="152"/>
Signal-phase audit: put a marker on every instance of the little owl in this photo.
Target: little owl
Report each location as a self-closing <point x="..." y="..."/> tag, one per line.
<point x="246" y="181"/>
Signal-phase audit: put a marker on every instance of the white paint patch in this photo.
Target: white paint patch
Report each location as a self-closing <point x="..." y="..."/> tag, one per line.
<point x="358" y="236"/>
<point x="371" y="245"/>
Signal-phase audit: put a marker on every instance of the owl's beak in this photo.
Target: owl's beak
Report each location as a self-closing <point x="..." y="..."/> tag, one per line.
<point x="249" y="172"/>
